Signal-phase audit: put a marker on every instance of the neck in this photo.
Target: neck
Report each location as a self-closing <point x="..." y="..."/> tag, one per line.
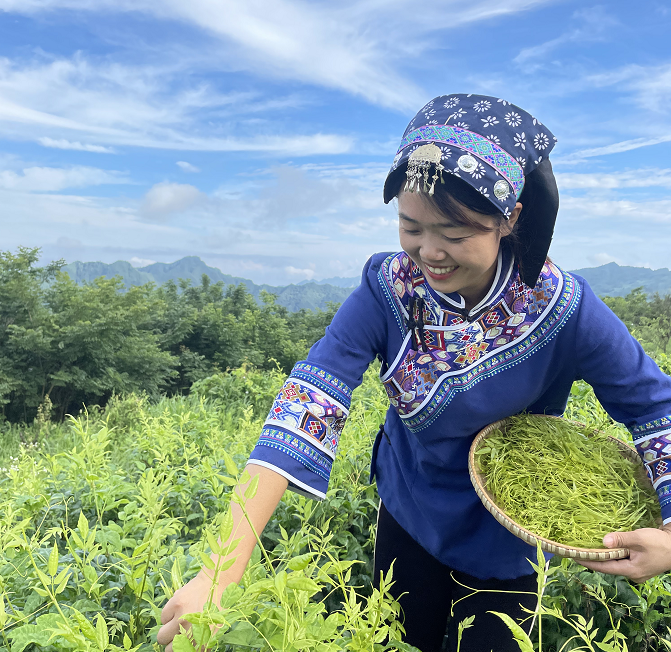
<point x="473" y="296"/>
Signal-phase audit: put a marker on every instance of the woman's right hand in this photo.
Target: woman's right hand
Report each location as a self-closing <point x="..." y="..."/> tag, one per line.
<point x="192" y="596"/>
<point x="189" y="599"/>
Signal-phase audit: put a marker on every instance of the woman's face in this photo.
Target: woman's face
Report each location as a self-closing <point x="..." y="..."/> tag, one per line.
<point x="453" y="258"/>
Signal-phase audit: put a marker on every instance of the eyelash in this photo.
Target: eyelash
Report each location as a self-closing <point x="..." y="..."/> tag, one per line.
<point x="451" y="240"/>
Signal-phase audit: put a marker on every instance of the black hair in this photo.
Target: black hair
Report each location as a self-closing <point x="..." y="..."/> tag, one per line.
<point x="451" y="197"/>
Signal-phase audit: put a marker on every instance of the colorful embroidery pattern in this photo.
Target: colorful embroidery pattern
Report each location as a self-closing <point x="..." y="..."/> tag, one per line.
<point x="458" y="354"/>
<point x="324" y="381"/>
<point x="656" y="455"/>
<point x="664" y="494"/>
<point x="303" y="410"/>
<point x="651" y="429"/>
<point x="295" y="447"/>
<point x="484" y="148"/>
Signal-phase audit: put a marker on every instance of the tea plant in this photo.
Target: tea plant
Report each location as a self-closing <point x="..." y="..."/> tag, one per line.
<point x="104" y="518"/>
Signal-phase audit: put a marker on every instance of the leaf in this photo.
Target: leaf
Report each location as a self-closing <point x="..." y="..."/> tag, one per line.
<point x="226" y="527"/>
<point x="83" y="526"/>
<point x="227" y="564"/>
<point x="214" y="544"/>
<point x="281" y="582"/>
<point x="53" y="560"/>
<point x="27" y="635"/>
<point x="300" y="562"/>
<point x="207" y="560"/>
<point x="127" y="643"/>
<point x="63" y="583"/>
<point x="251" y="490"/>
<point x="303" y="584"/>
<point x="231" y="466"/>
<point x="181" y="643"/>
<point x="102" y="635"/>
<point x="520" y="636"/>
<point x="243" y="633"/>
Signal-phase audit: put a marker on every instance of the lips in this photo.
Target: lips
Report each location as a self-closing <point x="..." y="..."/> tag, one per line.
<point x="440" y="273"/>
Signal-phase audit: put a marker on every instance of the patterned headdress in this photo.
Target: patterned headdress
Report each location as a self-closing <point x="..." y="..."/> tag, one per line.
<point x="495" y="147"/>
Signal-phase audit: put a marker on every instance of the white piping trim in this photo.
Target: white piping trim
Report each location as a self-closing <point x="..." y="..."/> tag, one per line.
<point x="316" y="389"/>
<point x="493" y="287"/>
<point x="452" y="301"/>
<point x="308" y="491"/>
<point x="664" y="478"/>
<point x="447" y="374"/>
<point x="666" y="521"/>
<point x="401" y="354"/>
<point x="653" y="436"/>
<point x="276" y="423"/>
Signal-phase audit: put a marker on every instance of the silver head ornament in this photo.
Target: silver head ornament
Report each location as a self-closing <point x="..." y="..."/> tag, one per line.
<point x="419" y="165"/>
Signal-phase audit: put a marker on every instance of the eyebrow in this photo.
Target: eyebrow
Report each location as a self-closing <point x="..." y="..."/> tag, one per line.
<point x="447" y="225"/>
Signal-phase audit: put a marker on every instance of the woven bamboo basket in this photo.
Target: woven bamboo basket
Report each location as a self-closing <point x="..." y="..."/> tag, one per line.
<point x="489" y="501"/>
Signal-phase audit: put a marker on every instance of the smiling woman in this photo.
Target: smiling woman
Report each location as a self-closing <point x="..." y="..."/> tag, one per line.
<point x="451" y="241"/>
<point x="473" y="323"/>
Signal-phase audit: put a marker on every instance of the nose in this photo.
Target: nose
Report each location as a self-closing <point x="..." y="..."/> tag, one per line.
<point x="432" y="251"/>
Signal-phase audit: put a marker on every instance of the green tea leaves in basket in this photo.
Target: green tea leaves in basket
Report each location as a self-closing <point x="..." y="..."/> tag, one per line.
<point x="563" y="482"/>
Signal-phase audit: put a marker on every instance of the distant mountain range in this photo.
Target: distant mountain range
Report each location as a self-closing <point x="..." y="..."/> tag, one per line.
<point x="610" y="279"/>
<point x="618" y="280"/>
<point x="308" y="295"/>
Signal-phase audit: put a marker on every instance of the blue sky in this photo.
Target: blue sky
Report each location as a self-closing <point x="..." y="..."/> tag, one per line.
<point x="257" y="134"/>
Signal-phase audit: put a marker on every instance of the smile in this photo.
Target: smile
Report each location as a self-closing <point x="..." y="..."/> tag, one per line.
<point x="441" y="270"/>
<point x="440" y="273"/>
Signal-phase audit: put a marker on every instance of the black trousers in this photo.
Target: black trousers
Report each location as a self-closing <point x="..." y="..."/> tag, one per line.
<point x="430" y="589"/>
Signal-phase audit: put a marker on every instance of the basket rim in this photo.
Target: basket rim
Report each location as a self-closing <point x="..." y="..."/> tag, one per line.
<point x="488" y="500"/>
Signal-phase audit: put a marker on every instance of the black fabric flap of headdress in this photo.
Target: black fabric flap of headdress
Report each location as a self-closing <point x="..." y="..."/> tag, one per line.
<point x="540" y="204"/>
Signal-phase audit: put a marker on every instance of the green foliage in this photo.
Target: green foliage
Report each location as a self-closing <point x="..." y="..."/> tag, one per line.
<point x="104" y="517"/>
<point x="63" y="345"/>
<point x="648" y="319"/>
<point x="107" y="515"/>
<point x="565" y="482"/>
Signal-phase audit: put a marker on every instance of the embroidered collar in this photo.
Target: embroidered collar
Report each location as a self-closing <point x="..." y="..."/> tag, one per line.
<point x="443" y="352"/>
<point x="454" y="302"/>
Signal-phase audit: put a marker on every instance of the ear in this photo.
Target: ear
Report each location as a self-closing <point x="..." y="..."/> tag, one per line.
<point x="508" y="225"/>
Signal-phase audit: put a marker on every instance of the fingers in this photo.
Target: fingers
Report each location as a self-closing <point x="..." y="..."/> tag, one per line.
<point x="168" y="612"/>
<point x="612" y="567"/>
<point x="625" y="567"/>
<point x="623" y="540"/>
<point x="169" y="631"/>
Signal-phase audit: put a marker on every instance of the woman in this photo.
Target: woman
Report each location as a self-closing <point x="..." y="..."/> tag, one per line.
<point x="473" y="324"/>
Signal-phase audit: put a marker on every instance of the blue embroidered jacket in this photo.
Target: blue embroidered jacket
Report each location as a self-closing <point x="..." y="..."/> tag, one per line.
<point x="449" y="373"/>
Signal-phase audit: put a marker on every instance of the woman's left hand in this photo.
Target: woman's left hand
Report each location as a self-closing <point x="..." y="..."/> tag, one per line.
<point x="649" y="553"/>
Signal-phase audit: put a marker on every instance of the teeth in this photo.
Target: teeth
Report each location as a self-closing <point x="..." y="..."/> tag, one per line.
<point x="441" y="270"/>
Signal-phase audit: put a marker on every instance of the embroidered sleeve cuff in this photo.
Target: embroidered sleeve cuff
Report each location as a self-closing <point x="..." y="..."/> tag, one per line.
<point x="300" y="437"/>
<point x="653" y="443"/>
<point x="664" y="495"/>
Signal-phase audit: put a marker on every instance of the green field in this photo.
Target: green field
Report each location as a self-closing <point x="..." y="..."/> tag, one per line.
<point x="105" y="516"/>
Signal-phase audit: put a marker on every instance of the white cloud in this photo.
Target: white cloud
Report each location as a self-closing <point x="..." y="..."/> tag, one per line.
<point x="643" y="178"/>
<point x="592" y="24"/>
<point x="44" y="179"/>
<point x="614" y="148"/>
<point x="57" y="100"/>
<point x="650" y="85"/>
<point x="300" y="273"/>
<point x="141" y="262"/>
<point x="187" y="167"/>
<point x="603" y="258"/>
<point x="166" y="198"/>
<point x="351" y="46"/>
<point x="625" y="214"/>
<point x="67" y="144"/>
